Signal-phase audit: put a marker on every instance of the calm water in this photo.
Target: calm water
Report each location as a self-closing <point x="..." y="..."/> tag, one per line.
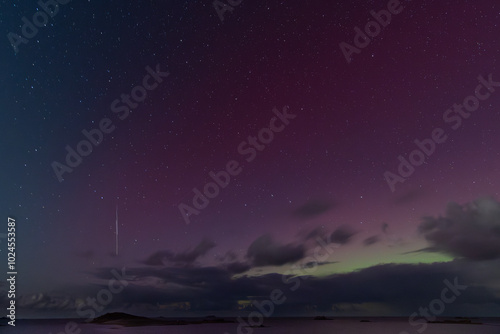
<point x="276" y="326"/>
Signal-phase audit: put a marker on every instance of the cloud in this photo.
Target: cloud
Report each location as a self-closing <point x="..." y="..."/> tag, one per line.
<point x="266" y="252"/>
<point x="409" y="196"/>
<point x="313" y="264"/>
<point x="184" y="258"/>
<point x="422" y="250"/>
<point x="318" y="232"/>
<point x="385" y="227"/>
<point x="383" y="286"/>
<point x="52" y="301"/>
<point x="470" y="231"/>
<point x="159" y="258"/>
<point x="342" y="235"/>
<point x="371" y="240"/>
<point x="237" y="267"/>
<point x="229" y="256"/>
<point x="362" y="292"/>
<point x="312" y="208"/>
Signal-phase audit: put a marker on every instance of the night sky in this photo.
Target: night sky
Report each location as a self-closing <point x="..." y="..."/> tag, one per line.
<point x="309" y="127"/>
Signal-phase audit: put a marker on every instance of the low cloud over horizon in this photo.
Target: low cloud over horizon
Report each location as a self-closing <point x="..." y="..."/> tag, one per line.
<point x="183" y="282"/>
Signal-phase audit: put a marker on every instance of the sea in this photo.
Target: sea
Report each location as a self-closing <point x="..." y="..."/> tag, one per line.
<point x="271" y="326"/>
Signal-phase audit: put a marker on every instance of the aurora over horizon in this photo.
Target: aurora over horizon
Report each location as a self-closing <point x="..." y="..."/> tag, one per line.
<point x="190" y="160"/>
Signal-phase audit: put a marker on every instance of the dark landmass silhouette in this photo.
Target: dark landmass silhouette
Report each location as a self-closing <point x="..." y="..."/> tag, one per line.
<point x="457" y="320"/>
<point x="129" y="320"/>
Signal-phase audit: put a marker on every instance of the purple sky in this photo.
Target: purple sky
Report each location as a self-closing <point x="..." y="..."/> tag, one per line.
<point x="320" y="172"/>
